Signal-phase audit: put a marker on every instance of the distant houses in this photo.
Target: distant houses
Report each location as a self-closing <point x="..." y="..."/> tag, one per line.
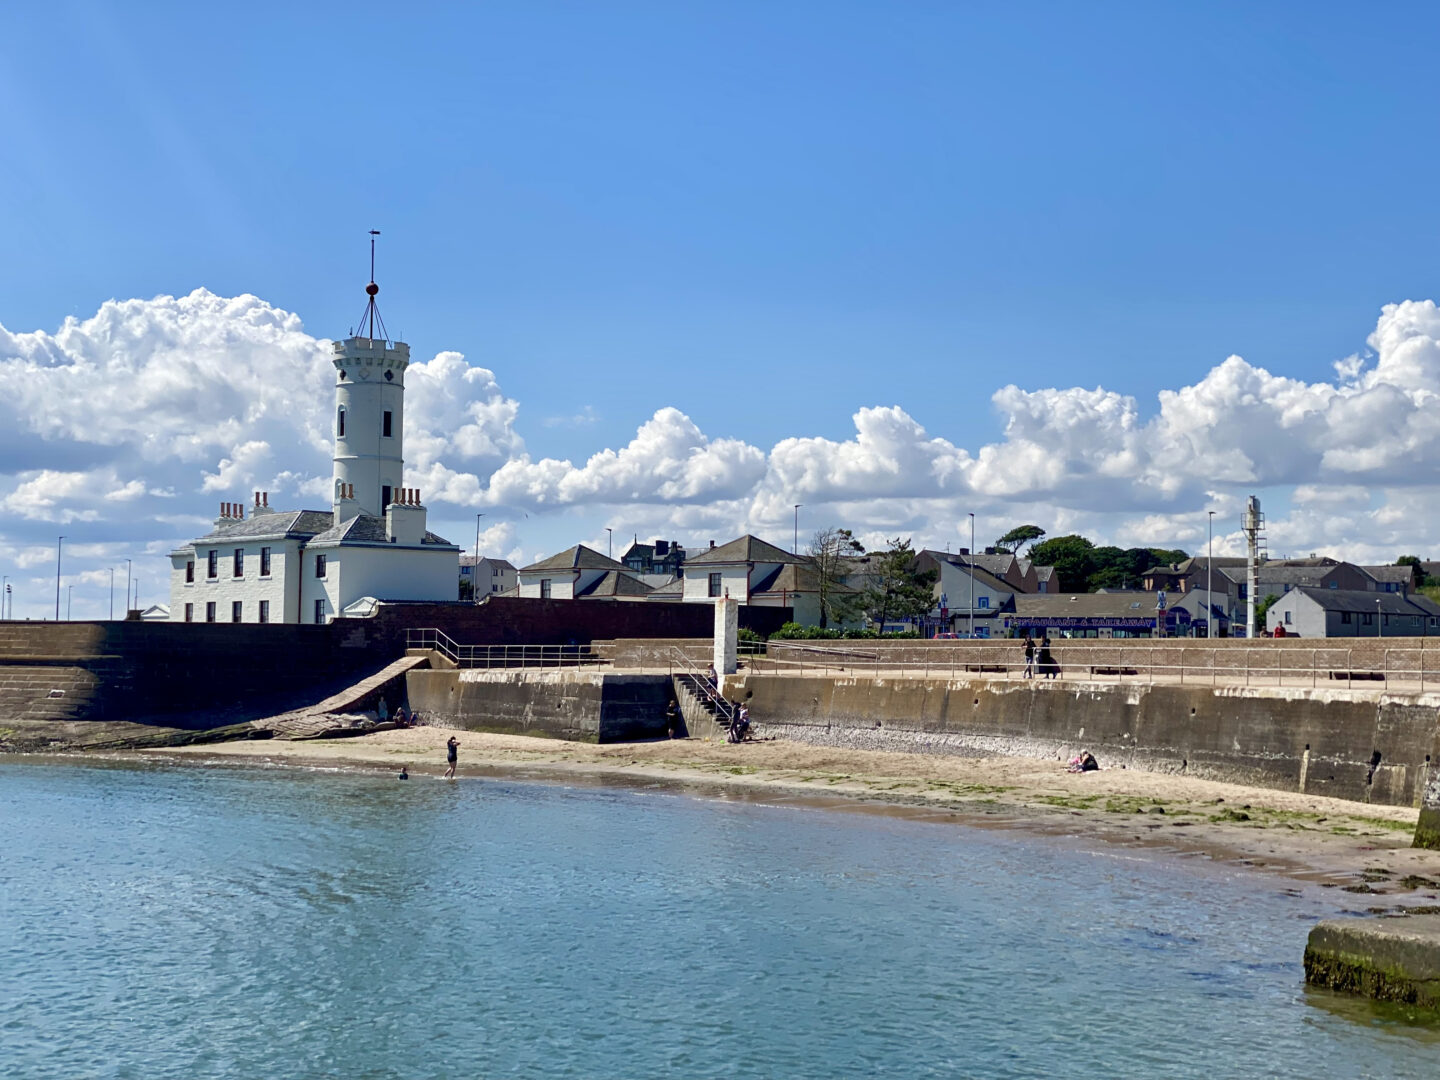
<point x="1342" y="613"/>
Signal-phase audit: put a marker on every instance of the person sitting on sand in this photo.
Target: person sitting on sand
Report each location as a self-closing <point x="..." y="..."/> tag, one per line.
<point x="401" y="720"/>
<point x="740" y="725"/>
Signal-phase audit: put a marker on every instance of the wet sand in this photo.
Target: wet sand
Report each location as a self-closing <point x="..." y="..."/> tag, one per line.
<point x="1356" y="847"/>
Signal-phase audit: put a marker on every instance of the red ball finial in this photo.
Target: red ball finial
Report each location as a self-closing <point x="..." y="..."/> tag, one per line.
<point x="372" y="288"/>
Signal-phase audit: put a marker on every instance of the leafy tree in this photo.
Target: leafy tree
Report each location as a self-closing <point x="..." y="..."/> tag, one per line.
<point x="1119" y="569"/>
<point x="1262" y="608"/>
<point x="830" y="553"/>
<point x="1021" y="534"/>
<point x="896" y="589"/>
<point x="1418" y="577"/>
<point x="1073" y="558"/>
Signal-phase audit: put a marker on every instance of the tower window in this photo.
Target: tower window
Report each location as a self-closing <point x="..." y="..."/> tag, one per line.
<point x="385" y="495"/>
<point x="385" y="422"/>
<point x="340" y="422"/>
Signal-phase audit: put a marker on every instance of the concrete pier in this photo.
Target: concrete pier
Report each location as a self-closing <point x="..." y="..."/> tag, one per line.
<point x="1427" y="829"/>
<point x="1385" y="959"/>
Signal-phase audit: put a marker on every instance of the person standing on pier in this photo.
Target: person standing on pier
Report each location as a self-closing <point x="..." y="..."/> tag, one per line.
<point x="1029" y="656"/>
<point x="452" y="754"/>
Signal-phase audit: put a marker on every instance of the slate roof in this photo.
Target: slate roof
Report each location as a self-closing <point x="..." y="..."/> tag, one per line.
<point x="281" y="525"/>
<point x="615" y="583"/>
<point x="470" y="560"/>
<point x="1128" y="605"/>
<point x="578" y="557"/>
<point x="674" y="589"/>
<point x="368" y="529"/>
<point x="1364" y="600"/>
<point x="793" y="578"/>
<point x="1402" y="574"/>
<point x="746" y="549"/>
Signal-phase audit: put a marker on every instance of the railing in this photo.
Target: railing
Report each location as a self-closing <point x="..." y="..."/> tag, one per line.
<point x="702" y="682"/>
<point x="502" y="656"/>
<point x="1398" y="668"/>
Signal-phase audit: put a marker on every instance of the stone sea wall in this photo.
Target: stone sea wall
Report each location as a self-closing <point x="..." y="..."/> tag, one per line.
<point x="1364" y="747"/>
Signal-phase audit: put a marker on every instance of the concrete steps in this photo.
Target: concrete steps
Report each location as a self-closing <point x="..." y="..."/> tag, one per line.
<point x="703" y="717"/>
<point x="348" y="712"/>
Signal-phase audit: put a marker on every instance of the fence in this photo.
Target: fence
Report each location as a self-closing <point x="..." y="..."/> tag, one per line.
<point x="1398" y="667"/>
<point x="502" y="656"/>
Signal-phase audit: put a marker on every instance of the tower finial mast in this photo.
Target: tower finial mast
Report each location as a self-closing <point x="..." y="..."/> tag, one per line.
<point x="372" y="312"/>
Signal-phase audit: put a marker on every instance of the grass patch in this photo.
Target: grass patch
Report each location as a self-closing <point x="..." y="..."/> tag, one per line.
<point x="1415" y="881"/>
<point x="1230" y="815"/>
<point x="1069" y="802"/>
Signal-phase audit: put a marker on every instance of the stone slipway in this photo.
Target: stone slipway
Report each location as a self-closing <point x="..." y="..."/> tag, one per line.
<point x="340" y="712"/>
<point x="1390" y="959"/>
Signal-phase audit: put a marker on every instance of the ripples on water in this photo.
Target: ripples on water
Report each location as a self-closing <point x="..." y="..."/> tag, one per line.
<point x="159" y="922"/>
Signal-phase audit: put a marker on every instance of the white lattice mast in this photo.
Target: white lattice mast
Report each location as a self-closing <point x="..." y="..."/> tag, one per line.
<point x="1252" y="525"/>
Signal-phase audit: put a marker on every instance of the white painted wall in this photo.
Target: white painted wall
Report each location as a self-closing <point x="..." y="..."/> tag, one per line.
<point x="364" y="457"/>
<point x="224" y="589"/>
<point x="384" y="572"/>
<point x="562" y="584"/>
<point x="733" y="576"/>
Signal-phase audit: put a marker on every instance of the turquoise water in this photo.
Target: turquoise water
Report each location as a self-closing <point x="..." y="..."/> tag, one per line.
<point x="189" y="922"/>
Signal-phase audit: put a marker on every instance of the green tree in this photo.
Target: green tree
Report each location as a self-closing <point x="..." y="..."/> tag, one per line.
<point x="1261" y="609"/>
<point x="1117" y="568"/>
<point x="1073" y="558"/>
<point x="896" y="590"/>
<point x="1021" y="534"/>
<point x="1417" y="572"/>
<point x="831" y="553"/>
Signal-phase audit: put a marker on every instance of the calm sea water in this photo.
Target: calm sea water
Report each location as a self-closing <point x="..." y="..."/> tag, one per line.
<point x="187" y="922"/>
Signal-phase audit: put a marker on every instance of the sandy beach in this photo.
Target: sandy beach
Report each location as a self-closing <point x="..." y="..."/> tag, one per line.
<point x="1359" y="848"/>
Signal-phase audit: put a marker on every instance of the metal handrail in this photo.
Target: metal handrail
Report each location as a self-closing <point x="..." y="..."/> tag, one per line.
<point x="711" y="692"/>
<point x="502" y="656"/>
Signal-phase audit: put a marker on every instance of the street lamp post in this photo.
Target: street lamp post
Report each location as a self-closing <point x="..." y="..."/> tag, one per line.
<point x="1377" y="616"/>
<point x="127" y="588"/>
<point x="1209" y="577"/>
<point x="112" y="594"/>
<point x="972" y="577"/>
<point x="795" y="543"/>
<point x="609" y="542"/>
<point x="59" y="545"/>
<point x="475" y="570"/>
<point x="69" y="589"/>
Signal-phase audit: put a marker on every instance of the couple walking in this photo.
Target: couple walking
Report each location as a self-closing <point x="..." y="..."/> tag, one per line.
<point x="1039" y="655"/>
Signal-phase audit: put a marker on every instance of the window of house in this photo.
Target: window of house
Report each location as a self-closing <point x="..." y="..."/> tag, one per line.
<point x="210" y="611"/>
<point x="1344" y="616"/>
<point x="319" y="566"/>
<point x="212" y="564"/>
<point x="189" y="612"/>
<point x="545" y="588"/>
<point x="714" y="584"/>
<point x="264" y="610"/>
<point x="189" y="571"/>
<point x="385" y="424"/>
<point x="239" y="569"/>
<point x="1287" y="618"/>
<point x="982" y="601"/>
<point x="1366" y="619"/>
<point x="320" y="611"/>
<point x="1333" y="585"/>
<point x="236" y="610"/>
<point x="264" y="562"/>
<point x="340" y="422"/>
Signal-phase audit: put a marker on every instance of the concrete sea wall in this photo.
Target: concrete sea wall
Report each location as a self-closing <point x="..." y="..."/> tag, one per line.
<point x="1365" y="747"/>
<point x="578" y="704"/>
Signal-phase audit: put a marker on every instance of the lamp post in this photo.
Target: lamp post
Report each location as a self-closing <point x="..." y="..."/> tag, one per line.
<point x="1377" y="616"/>
<point x="475" y="570"/>
<point x="127" y="588"/>
<point x="795" y="543"/>
<point x="69" y="589"/>
<point x="112" y="594"/>
<point x="609" y="542"/>
<point x="971" y="575"/>
<point x="59" y="545"/>
<point x="1209" y="577"/>
<point x="4" y="591"/>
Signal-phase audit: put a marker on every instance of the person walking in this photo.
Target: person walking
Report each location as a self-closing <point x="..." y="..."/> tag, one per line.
<point x="1029" y="656"/>
<point x="1047" y="662"/>
<point x="452" y="748"/>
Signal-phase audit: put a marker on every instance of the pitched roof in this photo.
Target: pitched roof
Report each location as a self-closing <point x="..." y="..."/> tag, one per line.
<point x="1129" y="605"/>
<point x="1365" y="600"/>
<point x="1403" y="574"/>
<point x="367" y="529"/>
<point x="578" y="557"/>
<point x="746" y="549"/>
<point x="470" y="560"/>
<point x="615" y="583"/>
<point x="793" y="578"/>
<point x="280" y="525"/>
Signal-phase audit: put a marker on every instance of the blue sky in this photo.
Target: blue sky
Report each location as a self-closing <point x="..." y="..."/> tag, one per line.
<point x="767" y="216"/>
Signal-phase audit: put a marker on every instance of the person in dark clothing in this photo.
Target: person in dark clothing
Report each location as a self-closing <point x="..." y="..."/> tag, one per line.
<point x="672" y="718"/>
<point x="1048" y="668"/>
<point x="1029" y="656"/>
<point x="403" y="774"/>
<point x="452" y="748"/>
<point x="1088" y="762"/>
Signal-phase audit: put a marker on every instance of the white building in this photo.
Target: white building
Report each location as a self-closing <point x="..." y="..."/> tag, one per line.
<point x="490" y="576"/>
<point x="309" y="565"/>
<point x="578" y="573"/>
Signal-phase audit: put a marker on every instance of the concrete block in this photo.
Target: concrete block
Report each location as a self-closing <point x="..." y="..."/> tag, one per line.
<point x="1386" y="959"/>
